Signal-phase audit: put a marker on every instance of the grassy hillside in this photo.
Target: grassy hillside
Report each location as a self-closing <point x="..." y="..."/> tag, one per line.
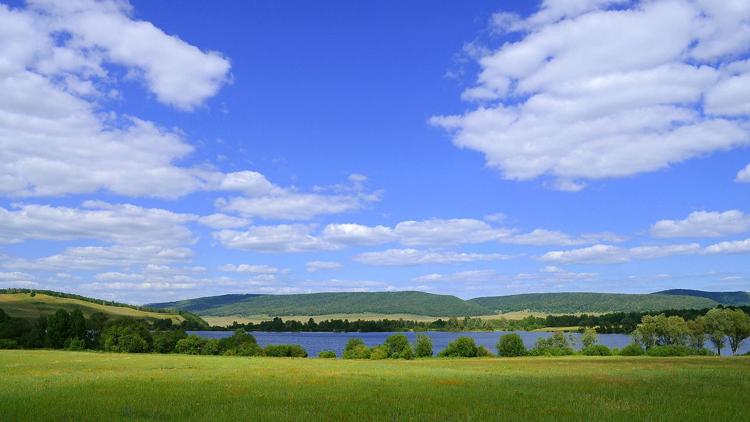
<point x="23" y="305"/>
<point x="591" y="302"/>
<point x="203" y="303"/>
<point x="416" y="303"/>
<point x="54" y="386"/>
<point x="725" y="298"/>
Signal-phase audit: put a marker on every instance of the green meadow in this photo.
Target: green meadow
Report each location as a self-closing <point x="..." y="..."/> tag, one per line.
<point x="63" y="385"/>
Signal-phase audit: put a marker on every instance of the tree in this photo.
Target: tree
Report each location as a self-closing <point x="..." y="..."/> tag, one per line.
<point x="511" y="345"/>
<point x="190" y="345"/>
<point x="58" y="329"/>
<point x="77" y="325"/>
<point x="556" y="345"/>
<point x="697" y="335"/>
<point x="660" y="330"/>
<point x="127" y="335"/>
<point x="717" y="325"/>
<point x="423" y="346"/>
<point x="396" y="344"/>
<point x="460" y="347"/>
<point x="739" y="328"/>
<point x="589" y="338"/>
<point x="165" y="341"/>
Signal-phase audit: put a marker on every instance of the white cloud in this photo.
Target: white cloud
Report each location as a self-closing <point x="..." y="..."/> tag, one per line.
<point x="447" y="232"/>
<point x="704" y="224"/>
<point x="118" y="223"/>
<point x="223" y="221"/>
<point x="593" y="94"/>
<point x="248" y="268"/>
<point x="15" y="277"/>
<point x="411" y="257"/>
<point x="98" y="257"/>
<point x="541" y="237"/>
<point x="279" y="238"/>
<point x="314" y="266"/>
<point x="176" y="72"/>
<point x="272" y="202"/>
<point x="743" y="176"/>
<point x="357" y="234"/>
<point x="729" y="247"/>
<point x="55" y="136"/>
<point x="608" y="254"/>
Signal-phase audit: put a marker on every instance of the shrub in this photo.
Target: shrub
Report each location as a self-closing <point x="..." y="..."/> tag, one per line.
<point x="557" y="345"/>
<point x="327" y="354"/>
<point x="670" y="350"/>
<point x="127" y="336"/>
<point x="6" y="343"/>
<point x="482" y="352"/>
<point x="460" y="347"/>
<point x="632" y="349"/>
<point x="165" y="341"/>
<point x="285" y="351"/>
<point x="248" y="349"/>
<point x="511" y="345"/>
<point x="359" y="351"/>
<point x="596" y="350"/>
<point x="379" y="352"/>
<point x="237" y="339"/>
<point x="407" y="353"/>
<point x="211" y="347"/>
<point x="75" y="344"/>
<point x="190" y="345"/>
<point x="396" y="344"/>
<point x="423" y="346"/>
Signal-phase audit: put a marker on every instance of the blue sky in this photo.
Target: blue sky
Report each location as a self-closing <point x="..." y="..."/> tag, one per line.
<point x="155" y="151"/>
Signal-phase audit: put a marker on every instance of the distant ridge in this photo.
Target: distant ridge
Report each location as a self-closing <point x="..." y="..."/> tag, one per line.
<point x="427" y="304"/>
<point x="591" y="302"/>
<point x="203" y="303"/>
<point x="738" y="298"/>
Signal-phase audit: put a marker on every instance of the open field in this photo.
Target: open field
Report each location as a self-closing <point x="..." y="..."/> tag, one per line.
<point x="22" y="305"/>
<point x="223" y="321"/>
<point x="54" y="385"/>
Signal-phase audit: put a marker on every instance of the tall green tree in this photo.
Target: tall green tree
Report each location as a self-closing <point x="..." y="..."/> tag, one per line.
<point x="717" y="325"/>
<point x="58" y="329"/>
<point x="589" y="338"/>
<point x="739" y="328"/>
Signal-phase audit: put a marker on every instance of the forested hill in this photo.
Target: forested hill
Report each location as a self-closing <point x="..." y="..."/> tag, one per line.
<point x="203" y="303"/>
<point x="590" y="302"/>
<point x="725" y="298"/>
<point x="427" y="304"/>
<point x="417" y="303"/>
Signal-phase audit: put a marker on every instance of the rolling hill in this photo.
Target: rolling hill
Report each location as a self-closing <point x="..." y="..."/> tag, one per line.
<point x="23" y="305"/>
<point x="591" y="302"/>
<point x="725" y="298"/>
<point x="416" y="303"/>
<point x="427" y="304"/>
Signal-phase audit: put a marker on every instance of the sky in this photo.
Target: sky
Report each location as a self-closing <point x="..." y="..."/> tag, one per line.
<point x="162" y="150"/>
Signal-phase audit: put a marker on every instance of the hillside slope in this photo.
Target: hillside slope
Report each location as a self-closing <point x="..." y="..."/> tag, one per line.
<point x="417" y="303"/>
<point x="725" y="298"/>
<point x="203" y="303"/>
<point x="23" y="305"/>
<point x="591" y="302"/>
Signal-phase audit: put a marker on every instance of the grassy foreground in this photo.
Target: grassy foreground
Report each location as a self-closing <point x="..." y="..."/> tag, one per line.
<point x="58" y="385"/>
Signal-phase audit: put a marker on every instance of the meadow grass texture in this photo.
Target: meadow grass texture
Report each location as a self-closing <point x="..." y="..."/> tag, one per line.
<point x="63" y="385"/>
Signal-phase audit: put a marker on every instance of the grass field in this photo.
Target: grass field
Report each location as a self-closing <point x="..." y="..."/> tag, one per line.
<point x="55" y="385"/>
<point x="223" y="321"/>
<point x="22" y="305"/>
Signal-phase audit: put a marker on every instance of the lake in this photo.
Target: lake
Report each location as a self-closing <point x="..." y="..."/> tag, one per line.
<point x="315" y="342"/>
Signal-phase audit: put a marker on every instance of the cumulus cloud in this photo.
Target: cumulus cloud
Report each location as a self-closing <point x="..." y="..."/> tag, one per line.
<point x="743" y="176"/>
<point x="16" y="278"/>
<point x="249" y="268"/>
<point x="589" y="93"/>
<point x="99" y="257"/>
<point x="413" y="257"/>
<point x="608" y="254"/>
<point x="55" y="138"/>
<point x="729" y="247"/>
<point x="279" y="238"/>
<point x="704" y="224"/>
<point x="314" y="266"/>
<point x="223" y="221"/>
<point x="357" y="234"/>
<point x="118" y="223"/>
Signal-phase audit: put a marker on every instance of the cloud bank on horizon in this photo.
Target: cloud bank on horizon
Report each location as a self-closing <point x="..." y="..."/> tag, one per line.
<point x="141" y="161"/>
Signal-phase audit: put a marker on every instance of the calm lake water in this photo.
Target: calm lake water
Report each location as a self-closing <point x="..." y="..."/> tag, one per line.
<point x="317" y="342"/>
